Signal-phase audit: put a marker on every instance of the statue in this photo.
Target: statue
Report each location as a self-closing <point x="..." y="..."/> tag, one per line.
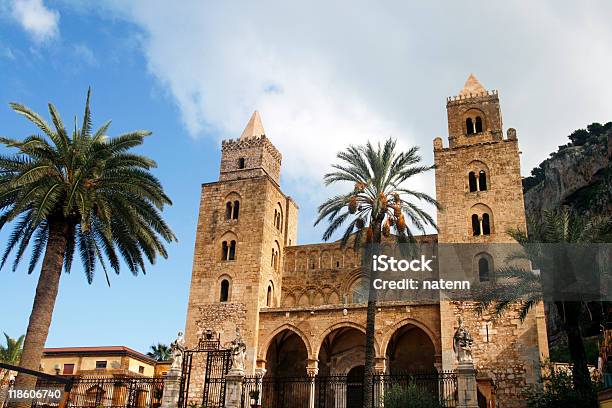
<point x="462" y="343"/>
<point x="238" y="350"/>
<point x="178" y="348"/>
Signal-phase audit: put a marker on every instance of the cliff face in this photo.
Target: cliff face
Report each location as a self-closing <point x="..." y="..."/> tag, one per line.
<point x="577" y="176"/>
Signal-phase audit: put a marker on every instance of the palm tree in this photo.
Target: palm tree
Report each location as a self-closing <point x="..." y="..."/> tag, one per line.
<point x="81" y="192"/>
<point x="515" y="284"/>
<point x="160" y="352"/>
<point x="379" y="203"/>
<point x="11" y="353"/>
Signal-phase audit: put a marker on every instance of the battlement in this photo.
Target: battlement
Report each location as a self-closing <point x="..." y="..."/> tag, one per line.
<point x="234" y="145"/>
<point x="471" y="97"/>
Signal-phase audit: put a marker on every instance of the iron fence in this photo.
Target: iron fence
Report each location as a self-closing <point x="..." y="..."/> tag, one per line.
<point x="442" y="385"/>
<point x="341" y="391"/>
<point x="116" y="392"/>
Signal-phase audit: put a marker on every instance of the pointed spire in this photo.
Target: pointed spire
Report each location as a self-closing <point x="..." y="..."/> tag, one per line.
<point x="254" y="128"/>
<point x="472" y="86"/>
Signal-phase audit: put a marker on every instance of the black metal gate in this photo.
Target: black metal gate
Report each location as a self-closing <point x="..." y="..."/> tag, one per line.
<point x="203" y="374"/>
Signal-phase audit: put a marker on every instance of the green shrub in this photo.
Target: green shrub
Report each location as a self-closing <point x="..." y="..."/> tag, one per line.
<point x="410" y="396"/>
<point x="557" y="391"/>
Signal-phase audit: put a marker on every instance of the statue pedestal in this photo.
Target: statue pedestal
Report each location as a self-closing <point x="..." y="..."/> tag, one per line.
<point x="467" y="394"/>
<point x="172" y="389"/>
<point x="233" y="388"/>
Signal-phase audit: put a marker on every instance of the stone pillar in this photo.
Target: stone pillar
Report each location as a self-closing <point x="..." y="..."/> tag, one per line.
<point x="466" y="385"/>
<point x="233" y="388"/>
<point x="312" y="369"/>
<point x="172" y="389"/>
<point x="380" y="368"/>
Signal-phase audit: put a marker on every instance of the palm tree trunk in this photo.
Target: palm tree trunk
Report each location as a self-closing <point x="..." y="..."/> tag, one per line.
<point x="42" y="310"/>
<point x="370" y="352"/>
<point x="580" y="372"/>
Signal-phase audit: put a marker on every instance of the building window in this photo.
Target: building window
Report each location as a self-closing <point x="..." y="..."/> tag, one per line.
<point x="68" y="369"/>
<point x="478" y="124"/>
<point x="482" y="180"/>
<point x="100" y="365"/>
<point x="228" y="210"/>
<point x="241" y="163"/>
<point x="475" y="225"/>
<point x="224" y="296"/>
<point x="232" y="210"/>
<point x="228" y="250"/>
<point x="140" y="369"/>
<point x="269" y="296"/>
<point x="469" y="125"/>
<point x="486" y="224"/>
<point x="484" y="273"/>
<point x="472" y="181"/>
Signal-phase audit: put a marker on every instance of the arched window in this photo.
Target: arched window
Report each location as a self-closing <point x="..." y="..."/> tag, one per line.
<point x="224" y="295"/>
<point x="484" y="271"/>
<point x="272" y="258"/>
<point x="269" y="296"/>
<point x="228" y="210"/>
<point x="236" y="210"/>
<point x="475" y="225"/>
<point x="482" y="180"/>
<point x="472" y="181"/>
<point x="224" y="251"/>
<point x="232" y="250"/>
<point x="469" y="125"/>
<point x="228" y="250"/>
<point x="241" y="163"/>
<point x="478" y="124"/>
<point x="486" y="224"/>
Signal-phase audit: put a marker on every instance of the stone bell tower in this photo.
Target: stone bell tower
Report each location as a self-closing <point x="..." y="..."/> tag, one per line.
<point x="478" y="184"/>
<point x="244" y="223"/>
<point x="478" y="177"/>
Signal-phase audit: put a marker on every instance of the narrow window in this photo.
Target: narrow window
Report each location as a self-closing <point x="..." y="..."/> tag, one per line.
<point x="100" y="365"/>
<point x="469" y="125"/>
<point x="483" y="269"/>
<point x="475" y="225"/>
<point x="276" y="260"/>
<point x="486" y="224"/>
<point x="224" y="251"/>
<point x="272" y="258"/>
<point x="68" y="369"/>
<point x="269" y="297"/>
<point x="241" y="163"/>
<point x="482" y="180"/>
<point x="232" y="250"/>
<point x="472" y="181"/>
<point x="236" y="209"/>
<point x="224" y="296"/>
<point x="337" y="264"/>
<point x="140" y="370"/>
<point x="478" y="124"/>
<point x="228" y="210"/>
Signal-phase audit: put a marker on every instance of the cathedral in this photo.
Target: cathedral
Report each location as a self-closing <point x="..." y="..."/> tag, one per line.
<point x="301" y="308"/>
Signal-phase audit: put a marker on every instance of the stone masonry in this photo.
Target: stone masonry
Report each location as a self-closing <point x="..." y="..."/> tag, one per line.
<point x="310" y="297"/>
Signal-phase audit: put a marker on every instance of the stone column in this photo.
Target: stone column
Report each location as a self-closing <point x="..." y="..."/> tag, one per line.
<point x="233" y="388"/>
<point x="380" y="368"/>
<point x="312" y="370"/>
<point x="172" y="389"/>
<point x="466" y="386"/>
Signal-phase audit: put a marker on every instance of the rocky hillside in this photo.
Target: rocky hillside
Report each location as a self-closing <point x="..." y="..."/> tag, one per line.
<point x="579" y="175"/>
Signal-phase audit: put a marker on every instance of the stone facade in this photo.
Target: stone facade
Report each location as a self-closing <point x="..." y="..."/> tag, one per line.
<point x="301" y="308"/>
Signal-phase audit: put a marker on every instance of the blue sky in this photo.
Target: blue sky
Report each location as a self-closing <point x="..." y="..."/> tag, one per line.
<point x="322" y="75"/>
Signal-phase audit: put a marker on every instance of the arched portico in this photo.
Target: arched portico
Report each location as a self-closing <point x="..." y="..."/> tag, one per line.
<point x="410" y="346"/>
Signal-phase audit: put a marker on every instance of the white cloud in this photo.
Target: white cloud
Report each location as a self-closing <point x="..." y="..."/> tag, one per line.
<point x="324" y="74"/>
<point x="38" y="20"/>
<point x="85" y="55"/>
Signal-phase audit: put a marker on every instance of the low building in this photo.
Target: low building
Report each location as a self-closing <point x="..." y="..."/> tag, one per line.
<point x="104" y="360"/>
